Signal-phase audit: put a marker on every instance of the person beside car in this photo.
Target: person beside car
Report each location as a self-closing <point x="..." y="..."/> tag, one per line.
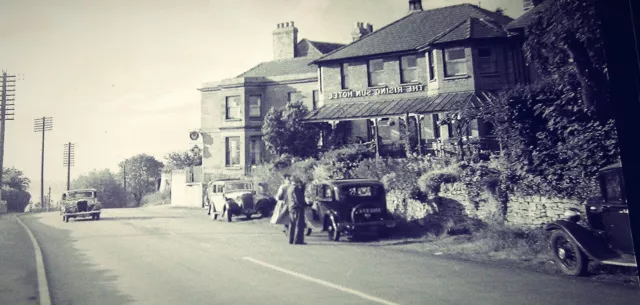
<point x="296" y="204"/>
<point x="281" y="213"/>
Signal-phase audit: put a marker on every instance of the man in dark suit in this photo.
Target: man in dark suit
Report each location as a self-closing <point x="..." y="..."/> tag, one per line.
<point x="296" y="204"/>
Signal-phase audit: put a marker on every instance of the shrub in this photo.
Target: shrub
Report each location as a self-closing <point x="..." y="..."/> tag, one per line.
<point x="373" y="169"/>
<point x="157" y="198"/>
<point x="431" y="182"/>
<point x="267" y="178"/>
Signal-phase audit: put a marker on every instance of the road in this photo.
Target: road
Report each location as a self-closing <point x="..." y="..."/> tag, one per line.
<point x="164" y="255"/>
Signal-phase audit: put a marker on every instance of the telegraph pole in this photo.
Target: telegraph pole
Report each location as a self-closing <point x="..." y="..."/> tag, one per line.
<point x="68" y="161"/>
<point x="6" y="114"/>
<point x="124" y="182"/>
<point x="49" y="198"/>
<point x="43" y="125"/>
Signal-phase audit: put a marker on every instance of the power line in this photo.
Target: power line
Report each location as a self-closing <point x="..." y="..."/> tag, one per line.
<point x="68" y="161"/>
<point x="43" y="125"/>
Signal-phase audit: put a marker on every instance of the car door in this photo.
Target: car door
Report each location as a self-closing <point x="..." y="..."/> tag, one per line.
<point x="615" y="212"/>
<point x="217" y="198"/>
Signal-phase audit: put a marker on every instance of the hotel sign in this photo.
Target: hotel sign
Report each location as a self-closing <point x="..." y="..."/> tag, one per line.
<point x="376" y="91"/>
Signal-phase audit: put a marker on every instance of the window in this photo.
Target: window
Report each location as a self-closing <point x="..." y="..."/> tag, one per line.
<point x="316" y="99"/>
<point x="232" y="107"/>
<point x="294" y="96"/>
<point x="376" y="72"/>
<point x="432" y="71"/>
<point x="613" y="186"/>
<point x="232" y="151"/>
<point x="455" y="63"/>
<point x="409" y="67"/>
<point x="255" y="149"/>
<point x="255" y="102"/>
<point x="344" y="71"/>
<point x="487" y="62"/>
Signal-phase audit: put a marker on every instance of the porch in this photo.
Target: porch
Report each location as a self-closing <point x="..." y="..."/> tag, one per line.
<point x="397" y="127"/>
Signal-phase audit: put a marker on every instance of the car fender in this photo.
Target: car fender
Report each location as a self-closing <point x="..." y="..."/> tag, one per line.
<point x="588" y="242"/>
<point x="232" y="205"/>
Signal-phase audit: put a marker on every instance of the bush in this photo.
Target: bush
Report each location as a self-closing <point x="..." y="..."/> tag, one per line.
<point x="431" y="182"/>
<point x="157" y="198"/>
<point x="268" y="178"/>
<point x="373" y="169"/>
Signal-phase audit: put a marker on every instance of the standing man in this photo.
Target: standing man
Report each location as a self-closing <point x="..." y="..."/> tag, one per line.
<point x="296" y="204"/>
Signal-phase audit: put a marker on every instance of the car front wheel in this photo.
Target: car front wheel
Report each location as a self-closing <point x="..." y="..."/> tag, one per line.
<point x="332" y="232"/>
<point x="567" y="255"/>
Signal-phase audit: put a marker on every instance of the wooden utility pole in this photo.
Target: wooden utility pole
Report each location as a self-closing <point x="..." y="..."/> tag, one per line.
<point x="43" y="125"/>
<point x="6" y="114"/>
<point x="49" y="200"/>
<point x="68" y="161"/>
<point x="124" y="182"/>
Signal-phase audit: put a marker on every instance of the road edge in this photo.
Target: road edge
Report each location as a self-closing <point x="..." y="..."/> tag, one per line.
<point x="43" y="285"/>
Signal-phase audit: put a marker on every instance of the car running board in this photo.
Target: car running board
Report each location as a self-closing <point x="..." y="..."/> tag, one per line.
<point x="621" y="261"/>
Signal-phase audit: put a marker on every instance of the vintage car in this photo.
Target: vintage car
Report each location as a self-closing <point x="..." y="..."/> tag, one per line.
<point x="601" y="232"/>
<point x="351" y="207"/>
<point x="228" y="197"/>
<point x="80" y="203"/>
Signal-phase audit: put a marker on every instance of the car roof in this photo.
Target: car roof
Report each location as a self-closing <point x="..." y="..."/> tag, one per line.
<point x="221" y="181"/>
<point x="81" y="190"/>
<point x="341" y="182"/>
<point x="617" y="165"/>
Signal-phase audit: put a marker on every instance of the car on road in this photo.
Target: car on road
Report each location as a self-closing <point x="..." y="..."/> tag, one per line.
<point x="351" y="207"/>
<point x="229" y="197"/>
<point x="601" y="232"/>
<point x="81" y="203"/>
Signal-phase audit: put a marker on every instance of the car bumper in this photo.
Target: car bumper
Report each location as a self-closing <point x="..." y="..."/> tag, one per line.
<point x="82" y="214"/>
<point x="365" y="225"/>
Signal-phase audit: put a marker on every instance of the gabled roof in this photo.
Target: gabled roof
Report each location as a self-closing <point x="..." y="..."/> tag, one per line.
<point x="415" y="30"/>
<point x="297" y="65"/>
<point x="471" y="28"/>
<point x="528" y="17"/>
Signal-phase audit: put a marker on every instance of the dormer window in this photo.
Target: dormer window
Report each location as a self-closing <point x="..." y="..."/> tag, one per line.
<point x="455" y="62"/>
<point x="487" y="63"/>
<point x="376" y="72"/>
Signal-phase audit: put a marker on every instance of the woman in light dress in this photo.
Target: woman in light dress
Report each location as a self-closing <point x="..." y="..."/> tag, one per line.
<point x="281" y="212"/>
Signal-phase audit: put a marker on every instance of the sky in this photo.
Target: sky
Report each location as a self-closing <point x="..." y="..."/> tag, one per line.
<point x="120" y="77"/>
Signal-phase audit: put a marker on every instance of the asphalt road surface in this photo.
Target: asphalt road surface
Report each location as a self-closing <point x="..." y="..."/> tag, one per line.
<point x="163" y="255"/>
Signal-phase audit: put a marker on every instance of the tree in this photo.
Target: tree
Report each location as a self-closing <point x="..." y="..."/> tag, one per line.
<point x="564" y="43"/>
<point x="14" y="189"/>
<point x="284" y="132"/>
<point x="141" y="173"/>
<point x="181" y="160"/>
<point x="110" y="192"/>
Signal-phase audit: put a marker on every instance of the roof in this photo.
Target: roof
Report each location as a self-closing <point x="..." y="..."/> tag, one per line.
<point x="393" y="107"/>
<point x="297" y="65"/>
<point x="81" y="190"/>
<point x="416" y="30"/>
<point x="470" y="28"/>
<point x="528" y="17"/>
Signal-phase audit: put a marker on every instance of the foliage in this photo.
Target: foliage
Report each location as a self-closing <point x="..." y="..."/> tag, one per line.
<point x="430" y="182"/>
<point x="564" y="43"/>
<point x="157" y="198"/>
<point x="480" y="178"/>
<point x="141" y="173"/>
<point x="267" y="178"/>
<point x="180" y="160"/>
<point x="282" y="130"/>
<point x="373" y="168"/>
<point x="110" y="192"/>
<point x="14" y="189"/>
<point x="339" y="163"/>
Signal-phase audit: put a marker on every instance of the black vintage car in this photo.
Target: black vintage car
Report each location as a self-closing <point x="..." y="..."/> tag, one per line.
<point x="601" y="232"/>
<point x="351" y="207"/>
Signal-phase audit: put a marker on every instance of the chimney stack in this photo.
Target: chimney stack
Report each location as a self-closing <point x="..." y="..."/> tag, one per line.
<point x="415" y="6"/>
<point x="285" y="40"/>
<point x="361" y="29"/>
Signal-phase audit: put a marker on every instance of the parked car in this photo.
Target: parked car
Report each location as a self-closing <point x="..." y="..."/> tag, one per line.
<point x="601" y="232"/>
<point x="80" y="203"/>
<point x="351" y="207"/>
<point x="228" y="197"/>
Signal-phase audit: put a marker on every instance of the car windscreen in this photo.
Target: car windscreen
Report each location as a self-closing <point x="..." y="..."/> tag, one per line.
<point x="80" y="195"/>
<point x="237" y="186"/>
<point x="362" y="191"/>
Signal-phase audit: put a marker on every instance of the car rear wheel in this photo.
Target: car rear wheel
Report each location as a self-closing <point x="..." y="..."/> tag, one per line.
<point x="332" y="231"/>
<point x="567" y="255"/>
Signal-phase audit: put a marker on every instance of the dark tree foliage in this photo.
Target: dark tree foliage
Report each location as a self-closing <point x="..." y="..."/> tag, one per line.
<point x="141" y="173"/>
<point x="284" y="132"/>
<point x="14" y="189"/>
<point x="564" y="43"/>
<point x="180" y="160"/>
<point x="110" y="192"/>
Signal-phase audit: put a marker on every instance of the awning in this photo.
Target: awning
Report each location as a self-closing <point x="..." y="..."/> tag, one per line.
<point x="341" y="111"/>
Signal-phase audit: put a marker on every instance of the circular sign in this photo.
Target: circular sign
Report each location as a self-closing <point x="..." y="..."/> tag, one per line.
<point x="194" y="135"/>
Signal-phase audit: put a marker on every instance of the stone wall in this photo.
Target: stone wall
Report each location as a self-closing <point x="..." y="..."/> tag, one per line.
<point x="524" y="211"/>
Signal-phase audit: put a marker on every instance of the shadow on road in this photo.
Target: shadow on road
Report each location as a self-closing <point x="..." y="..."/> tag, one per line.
<point x="127" y="218"/>
<point x="72" y="278"/>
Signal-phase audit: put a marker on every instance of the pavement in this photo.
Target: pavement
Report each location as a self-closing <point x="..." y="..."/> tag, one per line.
<point x="18" y="276"/>
<point x="164" y="255"/>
